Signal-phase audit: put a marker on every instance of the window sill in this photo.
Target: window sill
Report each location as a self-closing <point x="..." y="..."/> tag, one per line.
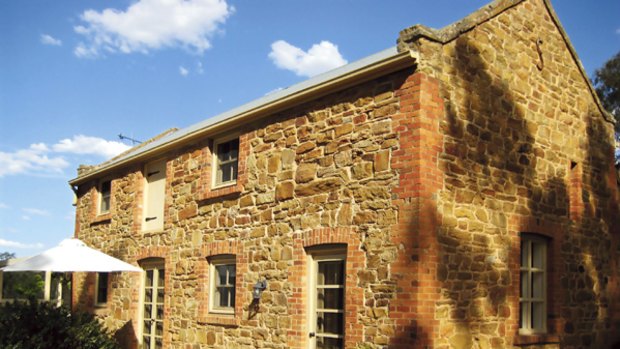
<point x="101" y="218"/>
<point x="219" y="319"/>
<point x="231" y="189"/>
<point x="534" y="339"/>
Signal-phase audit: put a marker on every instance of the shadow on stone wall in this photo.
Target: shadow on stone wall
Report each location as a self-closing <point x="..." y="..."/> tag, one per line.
<point x="492" y="164"/>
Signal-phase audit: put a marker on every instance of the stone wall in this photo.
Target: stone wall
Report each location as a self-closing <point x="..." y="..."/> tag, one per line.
<point x="427" y="177"/>
<point x="526" y="150"/>
<point x="322" y="173"/>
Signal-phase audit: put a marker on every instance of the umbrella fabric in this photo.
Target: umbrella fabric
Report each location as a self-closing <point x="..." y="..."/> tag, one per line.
<point x="71" y="255"/>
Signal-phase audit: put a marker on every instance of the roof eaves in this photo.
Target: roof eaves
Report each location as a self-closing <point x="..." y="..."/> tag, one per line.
<point x="383" y="62"/>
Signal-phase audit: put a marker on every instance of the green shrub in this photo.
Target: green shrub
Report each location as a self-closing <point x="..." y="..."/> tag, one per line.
<point x="34" y="325"/>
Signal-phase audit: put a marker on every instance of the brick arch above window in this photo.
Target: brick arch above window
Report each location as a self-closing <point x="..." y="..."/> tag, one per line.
<point x="306" y="243"/>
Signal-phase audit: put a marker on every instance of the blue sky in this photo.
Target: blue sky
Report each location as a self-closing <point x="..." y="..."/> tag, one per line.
<point x="75" y="74"/>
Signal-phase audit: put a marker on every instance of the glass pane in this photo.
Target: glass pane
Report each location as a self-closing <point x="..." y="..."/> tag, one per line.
<point x="105" y="187"/>
<point x="330" y="298"/>
<point x="158" y="343"/>
<point x="523" y="314"/>
<point x="146" y="342"/>
<point x="159" y="328"/>
<point x="148" y="311"/>
<point x="105" y="204"/>
<point x="232" y="273"/>
<point x="537" y="285"/>
<point x="525" y="282"/>
<point x="524" y="253"/>
<point x="331" y="273"/>
<point x="329" y="323"/>
<point x="148" y="295"/>
<point x="229" y="172"/>
<point x="160" y="312"/>
<point x="328" y="343"/>
<point x="149" y="278"/>
<point x="538" y="313"/>
<point x="221" y="271"/>
<point x="538" y="255"/>
<point x="160" y="295"/>
<point x="223" y="150"/>
<point x="223" y="297"/>
<point x="147" y="327"/>
<point x="161" y="279"/>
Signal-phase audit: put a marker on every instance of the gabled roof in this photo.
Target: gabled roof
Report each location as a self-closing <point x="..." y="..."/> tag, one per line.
<point x="485" y="13"/>
<point x="381" y="63"/>
<point x="384" y="62"/>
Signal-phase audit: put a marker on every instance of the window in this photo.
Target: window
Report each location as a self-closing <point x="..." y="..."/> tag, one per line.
<point x="222" y="278"/>
<point x="101" y="290"/>
<point x="327" y="290"/>
<point x="154" y="195"/>
<point x="105" y="194"/>
<point x="153" y="309"/>
<point x="533" y="296"/>
<point x="225" y="163"/>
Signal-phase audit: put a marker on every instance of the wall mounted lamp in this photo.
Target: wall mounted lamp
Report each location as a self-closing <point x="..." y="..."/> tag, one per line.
<point x="259" y="287"/>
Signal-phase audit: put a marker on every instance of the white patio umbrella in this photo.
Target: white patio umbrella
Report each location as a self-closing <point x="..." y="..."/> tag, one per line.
<point x="71" y="255"/>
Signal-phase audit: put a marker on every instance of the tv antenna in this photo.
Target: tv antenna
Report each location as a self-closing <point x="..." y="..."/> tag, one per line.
<point x="133" y="141"/>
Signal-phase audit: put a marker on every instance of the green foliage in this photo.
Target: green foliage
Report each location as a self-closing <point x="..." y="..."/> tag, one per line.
<point x="23" y="285"/>
<point x="34" y="325"/>
<point x="6" y="256"/>
<point x="607" y="85"/>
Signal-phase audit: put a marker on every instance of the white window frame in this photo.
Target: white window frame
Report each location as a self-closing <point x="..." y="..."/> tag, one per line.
<point x="97" y="281"/>
<point x="325" y="254"/>
<point x="213" y="263"/>
<point x="101" y="197"/>
<point x="216" y="161"/>
<point x="526" y="276"/>
<point x="154" y="264"/>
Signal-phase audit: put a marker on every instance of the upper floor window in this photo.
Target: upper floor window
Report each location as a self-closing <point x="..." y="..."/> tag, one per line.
<point x="533" y="295"/>
<point x="225" y="161"/>
<point x="222" y="279"/>
<point x="105" y="196"/>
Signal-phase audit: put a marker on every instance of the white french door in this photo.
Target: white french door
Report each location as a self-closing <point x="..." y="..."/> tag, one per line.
<point x="327" y="290"/>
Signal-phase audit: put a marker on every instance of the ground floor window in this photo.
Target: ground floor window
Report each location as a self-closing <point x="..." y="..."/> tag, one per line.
<point x="153" y="309"/>
<point x="327" y="290"/>
<point x="533" y="294"/>
<point x="222" y="276"/>
<point x="101" y="296"/>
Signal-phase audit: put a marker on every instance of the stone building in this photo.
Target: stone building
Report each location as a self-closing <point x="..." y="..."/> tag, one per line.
<point x="457" y="191"/>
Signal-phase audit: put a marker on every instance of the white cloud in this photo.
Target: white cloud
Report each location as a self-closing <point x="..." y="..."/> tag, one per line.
<point x="183" y="71"/>
<point x="199" y="68"/>
<point x="36" y="212"/>
<point x="3" y="205"/>
<point x="15" y="244"/>
<point x="50" y="40"/>
<point x="319" y="58"/>
<point x="81" y="144"/>
<point x="42" y="159"/>
<point x="33" y="159"/>
<point x="150" y="25"/>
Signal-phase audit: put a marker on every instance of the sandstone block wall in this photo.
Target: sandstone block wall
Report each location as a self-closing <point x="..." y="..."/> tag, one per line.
<point x="426" y="177"/>
<point x="526" y="150"/>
